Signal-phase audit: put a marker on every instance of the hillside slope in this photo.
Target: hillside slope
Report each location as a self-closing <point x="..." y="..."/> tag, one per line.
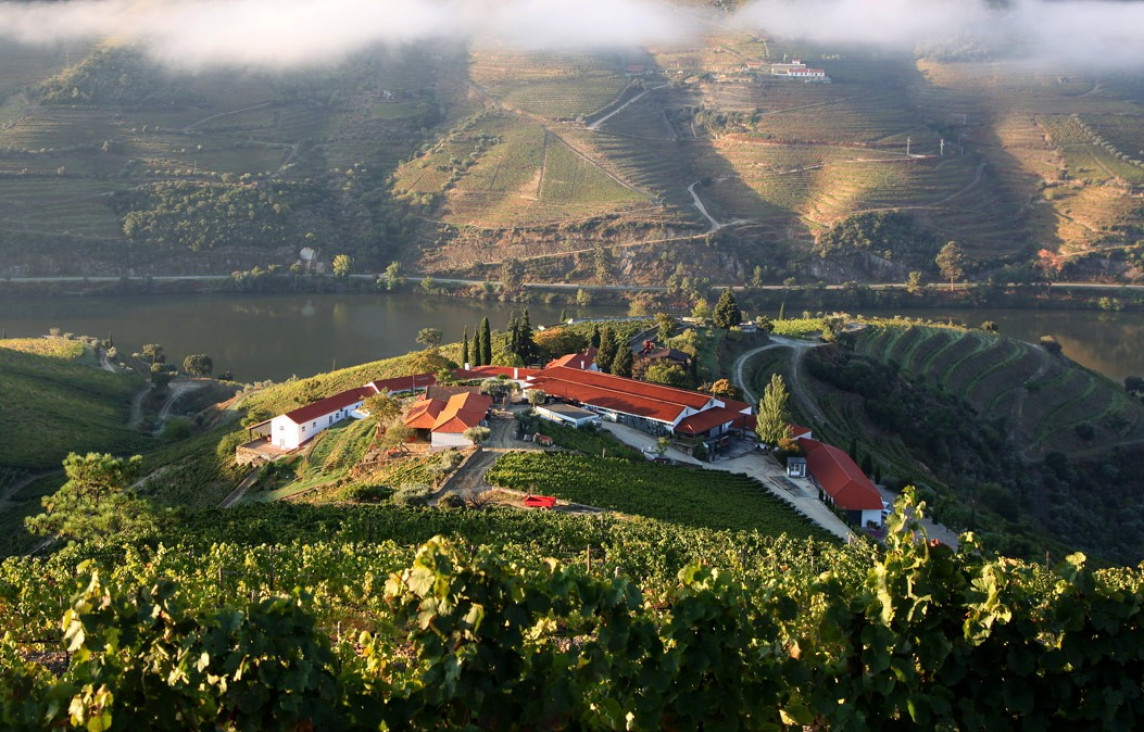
<point x="1006" y="438"/>
<point x="455" y="157"/>
<point x="58" y="401"/>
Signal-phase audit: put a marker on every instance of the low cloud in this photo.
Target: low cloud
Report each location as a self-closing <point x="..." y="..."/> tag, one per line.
<point x="285" y="33"/>
<point x="1089" y="33"/>
<point x="195" y="34"/>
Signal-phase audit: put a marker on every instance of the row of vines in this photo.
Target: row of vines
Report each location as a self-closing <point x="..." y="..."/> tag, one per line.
<point x="451" y="636"/>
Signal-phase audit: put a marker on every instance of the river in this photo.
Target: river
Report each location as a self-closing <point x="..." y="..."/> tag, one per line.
<point x="268" y="336"/>
<point x="275" y="336"/>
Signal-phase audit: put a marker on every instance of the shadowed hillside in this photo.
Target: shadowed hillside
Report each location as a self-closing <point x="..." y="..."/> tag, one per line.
<point x="453" y="158"/>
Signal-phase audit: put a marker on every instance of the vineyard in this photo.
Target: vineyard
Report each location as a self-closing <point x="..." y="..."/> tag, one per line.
<point x="690" y="497"/>
<point x="60" y="405"/>
<point x="746" y="633"/>
<point x="1043" y="399"/>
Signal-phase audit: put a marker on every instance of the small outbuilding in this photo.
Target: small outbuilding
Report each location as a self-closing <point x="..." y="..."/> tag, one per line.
<point x="568" y="414"/>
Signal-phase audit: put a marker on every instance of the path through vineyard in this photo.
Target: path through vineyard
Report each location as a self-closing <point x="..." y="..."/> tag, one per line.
<point x="470" y="477"/>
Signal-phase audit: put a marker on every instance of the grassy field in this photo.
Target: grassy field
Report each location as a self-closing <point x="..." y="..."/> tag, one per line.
<point x="58" y="403"/>
<point x="497" y="170"/>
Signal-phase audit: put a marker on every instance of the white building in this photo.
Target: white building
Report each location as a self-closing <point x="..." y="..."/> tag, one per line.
<point x="288" y="431"/>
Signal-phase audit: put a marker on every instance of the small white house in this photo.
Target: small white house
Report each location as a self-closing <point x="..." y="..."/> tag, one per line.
<point x="568" y="414"/>
<point x="288" y="431"/>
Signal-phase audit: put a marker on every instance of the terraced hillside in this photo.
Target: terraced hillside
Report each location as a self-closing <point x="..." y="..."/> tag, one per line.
<point x="1004" y="437"/>
<point x="453" y="157"/>
<point x="1041" y="398"/>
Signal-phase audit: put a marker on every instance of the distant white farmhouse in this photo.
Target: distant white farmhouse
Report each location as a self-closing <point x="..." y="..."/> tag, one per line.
<point x="288" y="431"/>
<point x="798" y="70"/>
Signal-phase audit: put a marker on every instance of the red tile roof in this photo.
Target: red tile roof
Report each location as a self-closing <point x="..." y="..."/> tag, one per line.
<point x="697" y="424"/>
<point x="840" y="477"/>
<point x="329" y="405"/>
<point x="646" y="389"/>
<point x="582" y="361"/>
<point x="423" y="414"/>
<point x="462" y="411"/>
<point x="734" y="406"/>
<point x="639" y="398"/>
<point x="797" y="430"/>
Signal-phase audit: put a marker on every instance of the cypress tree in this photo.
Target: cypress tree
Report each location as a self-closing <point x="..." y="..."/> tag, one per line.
<point x="526" y="346"/>
<point x="513" y="334"/>
<point x="622" y="364"/>
<point x="465" y="347"/>
<point x="486" y="342"/>
<point x="727" y="311"/>
<point x="596" y="335"/>
<point x="608" y="349"/>
<point x="477" y="349"/>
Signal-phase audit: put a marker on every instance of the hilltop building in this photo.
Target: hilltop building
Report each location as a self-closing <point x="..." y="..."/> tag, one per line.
<point x="798" y="70"/>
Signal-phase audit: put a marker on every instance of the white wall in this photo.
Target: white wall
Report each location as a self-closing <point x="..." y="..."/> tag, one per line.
<point x="449" y="439"/>
<point x="875" y="516"/>
<point x="285" y="434"/>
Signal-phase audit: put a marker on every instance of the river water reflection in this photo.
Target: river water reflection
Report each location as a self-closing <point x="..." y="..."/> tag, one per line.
<point x="275" y="336"/>
<point x="268" y="336"/>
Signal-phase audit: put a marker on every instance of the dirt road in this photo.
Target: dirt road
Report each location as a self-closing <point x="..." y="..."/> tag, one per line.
<point x="806" y="402"/>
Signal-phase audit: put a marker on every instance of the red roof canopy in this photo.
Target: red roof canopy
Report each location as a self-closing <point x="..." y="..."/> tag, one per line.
<point x="698" y="424"/>
<point x="840" y="477"/>
<point x="423" y="414"/>
<point x="329" y="405"/>
<point x="582" y="361"/>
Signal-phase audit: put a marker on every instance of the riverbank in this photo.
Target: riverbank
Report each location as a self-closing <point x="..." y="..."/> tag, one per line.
<point x="642" y="300"/>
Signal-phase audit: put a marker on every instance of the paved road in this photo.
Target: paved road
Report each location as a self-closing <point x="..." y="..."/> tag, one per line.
<point x="622" y="107"/>
<point x="470" y="477"/>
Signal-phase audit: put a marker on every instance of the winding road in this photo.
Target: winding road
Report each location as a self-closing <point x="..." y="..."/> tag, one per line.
<point x="806" y="403"/>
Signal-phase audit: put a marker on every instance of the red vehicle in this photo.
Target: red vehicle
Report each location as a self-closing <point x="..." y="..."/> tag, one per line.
<point x="531" y="501"/>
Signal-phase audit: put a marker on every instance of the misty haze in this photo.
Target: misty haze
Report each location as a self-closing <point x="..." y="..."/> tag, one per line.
<point x="280" y="34"/>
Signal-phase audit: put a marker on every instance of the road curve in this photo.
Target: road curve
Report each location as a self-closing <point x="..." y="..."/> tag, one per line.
<point x="806" y="402"/>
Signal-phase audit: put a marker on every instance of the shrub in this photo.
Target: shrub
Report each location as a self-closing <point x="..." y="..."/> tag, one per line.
<point x="413" y="494"/>
<point x="358" y="493"/>
<point x="452" y="501"/>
